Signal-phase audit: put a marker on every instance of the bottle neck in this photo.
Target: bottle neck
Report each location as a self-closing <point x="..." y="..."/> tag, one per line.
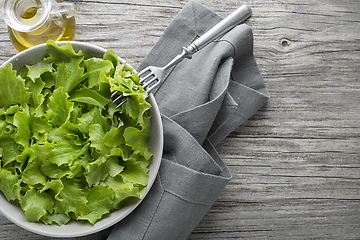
<point x="26" y="15"/>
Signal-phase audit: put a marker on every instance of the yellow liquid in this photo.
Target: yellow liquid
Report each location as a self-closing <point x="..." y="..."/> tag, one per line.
<point x="50" y="30"/>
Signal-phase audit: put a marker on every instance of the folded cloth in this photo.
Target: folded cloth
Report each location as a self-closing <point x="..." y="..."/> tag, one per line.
<point x="201" y="101"/>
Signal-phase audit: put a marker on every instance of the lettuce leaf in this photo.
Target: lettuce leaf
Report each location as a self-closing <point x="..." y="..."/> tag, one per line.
<point x="9" y="185"/>
<point x="72" y="198"/>
<point x="59" y="107"/>
<point x="63" y="53"/>
<point x="57" y="218"/>
<point x="23" y="133"/>
<point x="10" y="150"/>
<point x="33" y="175"/>
<point x="69" y="75"/>
<point x="114" y="137"/>
<point x="91" y="117"/>
<point x="38" y="126"/>
<point x="53" y="171"/>
<point x="94" y="67"/>
<point x="135" y="173"/>
<point x="36" y="204"/>
<point x="136" y="139"/>
<point x="86" y="95"/>
<point x="65" y="151"/>
<point x="95" y="171"/>
<point x="100" y="199"/>
<point x="12" y="87"/>
<point x="36" y="88"/>
<point x="111" y="56"/>
<point x="34" y="71"/>
<point x="128" y="83"/>
<point x="122" y="189"/>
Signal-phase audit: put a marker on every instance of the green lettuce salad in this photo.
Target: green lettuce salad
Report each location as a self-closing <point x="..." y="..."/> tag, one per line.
<point x="65" y="151"/>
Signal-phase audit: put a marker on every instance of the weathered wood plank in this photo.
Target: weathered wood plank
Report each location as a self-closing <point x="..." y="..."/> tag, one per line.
<point x="296" y="162"/>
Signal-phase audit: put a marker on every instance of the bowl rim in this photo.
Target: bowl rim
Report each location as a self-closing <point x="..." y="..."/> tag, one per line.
<point x="83" y="229"/>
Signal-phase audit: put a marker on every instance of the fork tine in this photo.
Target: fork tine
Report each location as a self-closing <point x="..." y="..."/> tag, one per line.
<point x="118" y="98"/>
<point x="120" y="104"/>
<point x="143" y="79"/>
<point x="144" y="70"/>
<point x="114" y="93"/>
<point x="149" y="82"/>
<point x="153" y="86"/>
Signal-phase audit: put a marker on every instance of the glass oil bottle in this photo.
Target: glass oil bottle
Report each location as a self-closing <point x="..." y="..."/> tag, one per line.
<point x="32" y="22"/>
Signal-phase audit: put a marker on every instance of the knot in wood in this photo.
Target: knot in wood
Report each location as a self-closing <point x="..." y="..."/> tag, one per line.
<point x="284" y="42"/>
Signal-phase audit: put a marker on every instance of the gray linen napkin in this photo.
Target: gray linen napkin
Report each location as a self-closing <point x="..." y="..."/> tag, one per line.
<point x="202" y="101"/>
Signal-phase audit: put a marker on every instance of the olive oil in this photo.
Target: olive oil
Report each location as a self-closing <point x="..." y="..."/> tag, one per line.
<point x="60" y="28"/>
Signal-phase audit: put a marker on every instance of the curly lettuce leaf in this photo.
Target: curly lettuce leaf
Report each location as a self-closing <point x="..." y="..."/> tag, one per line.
<point x="41" y="151"/>
<point x="56" y="186"/>
<point x="125" y="80"/>
<point x="25" y="158"/>
<point x="114" y="137"/>
<point x="65" y="151"/>
<point x="113" y="167"/>
<point x="104" y="87"/>
<point x="100" y="199"/>
<point x="69" y="75"/>
<point x="36" y="204"/>
<point x="135" y="173"/>
<point x="48" y="79"/>
<point x="94" y="67"/>
<point x="10" y="150"/>
<point x="57" y="218"/>
<point x="136" y="106"/>
<point x="59" y="107"/>
<point x="71" y="133"/>
<point x="122" y="189"/>
<point x="10" y="110"/>
<point x="91" y="117"/>
<point x="6" y="129"/>
<point x="95" y="171"/>
<point x="96" y="138"/>
<point x="111" y="56"/>
<point x="10" y="185"/>
<point x="39" y="126"/>
<point x="63" y="53"/>
<point x="53" y="171"/>
<point x="12" y="87"/>
<point x="35" y="71"/>
<point x="33" y="175"/>
<point x="73" y="199"/>
<point x="36" y="89"/>
<point x="23" y="133"/>
<point x="136" y="139"/>
<point x="127" y="83"/>
<point x="86" y="95"/>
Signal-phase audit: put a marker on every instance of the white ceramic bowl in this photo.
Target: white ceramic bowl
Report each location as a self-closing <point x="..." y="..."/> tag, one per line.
<point x="76" y="229"/>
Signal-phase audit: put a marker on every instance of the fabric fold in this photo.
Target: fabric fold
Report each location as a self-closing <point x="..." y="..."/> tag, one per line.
<point x="182" y="193"/>
<point x="201" y="101"/>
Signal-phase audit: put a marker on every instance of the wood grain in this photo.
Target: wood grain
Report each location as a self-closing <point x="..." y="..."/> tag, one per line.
<point x="296" y="162"/>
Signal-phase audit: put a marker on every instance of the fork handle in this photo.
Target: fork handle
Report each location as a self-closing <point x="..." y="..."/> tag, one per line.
<point x="240" y="15"/>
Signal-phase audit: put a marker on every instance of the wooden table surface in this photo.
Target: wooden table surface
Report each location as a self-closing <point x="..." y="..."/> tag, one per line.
<point x="296" y="162"/>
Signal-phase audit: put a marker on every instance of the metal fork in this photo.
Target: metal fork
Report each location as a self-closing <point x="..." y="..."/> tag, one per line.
<point x="152" y="76"/>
